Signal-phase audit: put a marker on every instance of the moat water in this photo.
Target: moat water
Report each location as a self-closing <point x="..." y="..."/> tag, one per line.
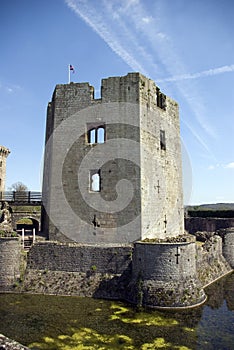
<point x="73" y="323"/>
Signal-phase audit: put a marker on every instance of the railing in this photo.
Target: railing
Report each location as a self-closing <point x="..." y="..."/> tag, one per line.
<point x="28" y="237"/>
<point x="20" y="197"/>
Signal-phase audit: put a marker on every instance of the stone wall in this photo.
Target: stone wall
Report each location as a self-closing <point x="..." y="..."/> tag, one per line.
<point x="74" y="269"/>
<point x="210" y="262"/>
<point x="161" y="171"/>
<point x="165" y="274"/>
<point x="145" y="273"/>
<point x="192" y="225"/>
<point x="142" y="138"/>
<point x="10" y="260"/>
<point x="9" y="344"/>
<point x="18" y="215"/>
<point x="74" y="257"/>
<point x="228" y="246"/>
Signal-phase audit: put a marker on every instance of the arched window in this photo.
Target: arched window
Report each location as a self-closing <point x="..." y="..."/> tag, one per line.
<point x="96" y="134"/>
<point x="92" y="136"/>
<point x="95" y="181"/>
<point x="100" y="135"/>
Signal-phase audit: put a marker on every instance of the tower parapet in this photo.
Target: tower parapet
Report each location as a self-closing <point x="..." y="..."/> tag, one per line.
<point x="4" y="152"/>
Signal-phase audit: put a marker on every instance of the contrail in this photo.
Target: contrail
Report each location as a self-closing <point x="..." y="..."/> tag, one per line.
<point x="96" y="22"/>
<point x="135" y="36"/>
<point x="205" y="73"/>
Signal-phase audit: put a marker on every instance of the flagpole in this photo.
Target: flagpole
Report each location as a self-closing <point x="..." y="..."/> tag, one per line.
<point x="69" y="74"/>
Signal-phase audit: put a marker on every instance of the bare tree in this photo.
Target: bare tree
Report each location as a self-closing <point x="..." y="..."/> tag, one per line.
<point x="20" y="191"/>
<point x="18" y="187"/>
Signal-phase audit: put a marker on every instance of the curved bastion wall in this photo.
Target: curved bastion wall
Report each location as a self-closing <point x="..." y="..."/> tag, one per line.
<point x="165" y="274"/>
<point x="10" y="257"/>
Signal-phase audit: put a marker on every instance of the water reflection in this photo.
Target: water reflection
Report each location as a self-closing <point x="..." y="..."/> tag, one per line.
<point x="69" y="323"/>
<point x="221" y="291"/>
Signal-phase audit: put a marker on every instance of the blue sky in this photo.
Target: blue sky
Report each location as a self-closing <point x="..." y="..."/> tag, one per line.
<point x="186" y="47"/>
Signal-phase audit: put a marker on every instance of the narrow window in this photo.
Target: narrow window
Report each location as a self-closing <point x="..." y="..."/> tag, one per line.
<point x="162" y="140"/>
<point x="161" y="99"/>
<point x="100" y="135"/>
<point x="92" y="136"/>
<point x="0" y="163"/>
<point x="95" y="181"/>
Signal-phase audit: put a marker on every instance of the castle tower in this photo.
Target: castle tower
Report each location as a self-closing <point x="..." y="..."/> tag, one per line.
<point x="4" y="152"/>
<point x="112" y="171"/>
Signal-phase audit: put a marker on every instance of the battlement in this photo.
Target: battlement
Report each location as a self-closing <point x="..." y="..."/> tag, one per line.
<point x="4" y="152"/>
<point x="133" y="87"/>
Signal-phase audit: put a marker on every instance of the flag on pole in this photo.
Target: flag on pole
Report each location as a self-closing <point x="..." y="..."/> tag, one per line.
<point x="72" y="68"/>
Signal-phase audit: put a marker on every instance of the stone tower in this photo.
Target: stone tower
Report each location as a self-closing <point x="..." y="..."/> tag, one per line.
<point x="4" y="152"/>
<point x="112" y="171"/>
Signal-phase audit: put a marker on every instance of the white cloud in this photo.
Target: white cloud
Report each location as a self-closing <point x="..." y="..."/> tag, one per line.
<point x="146" y="19"/>
<point x="223" y="166"/>
<point x="9" y="89"/>
<point x="230" y="165"/>
<point x="215" y="166"/>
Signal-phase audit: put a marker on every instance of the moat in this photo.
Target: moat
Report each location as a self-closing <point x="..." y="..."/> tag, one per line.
<point x="69" y="323"/>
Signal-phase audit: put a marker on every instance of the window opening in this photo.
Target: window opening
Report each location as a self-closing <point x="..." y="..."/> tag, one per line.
<point x="162" y="140"/>
<point x="177" y="255"/>
<point x="96" y="134"/>
<point x="0" y="163"/>
<point x="100" y="135"/>
<point x="92" y="136"/>
<point x="161" y="99"/>
<point x="95" y="181"/>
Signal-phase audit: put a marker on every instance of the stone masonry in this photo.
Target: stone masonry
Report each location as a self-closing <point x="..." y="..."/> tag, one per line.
<point x="137" y="163"/>
<point x="4" y="152"/>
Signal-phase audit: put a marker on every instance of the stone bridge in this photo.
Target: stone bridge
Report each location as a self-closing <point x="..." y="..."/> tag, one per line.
<point x="23" y="205"/>
<point x="35" y="217"/>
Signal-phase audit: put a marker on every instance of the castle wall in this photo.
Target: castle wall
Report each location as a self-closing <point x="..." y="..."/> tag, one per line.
<point x="161" y="169"/>
<point x="165" y="274"/>
<point x="75" y="269"/>
<point x="210" y="261"/>
<point x="228" y="246"/>
<point x="73" y="257"/>
<point x="192" y="225"/>
<point x="146" y="273"/>
<point x="84" y="215"/>
<point x="10" y="259"/>
<point x="164" y="261"/>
